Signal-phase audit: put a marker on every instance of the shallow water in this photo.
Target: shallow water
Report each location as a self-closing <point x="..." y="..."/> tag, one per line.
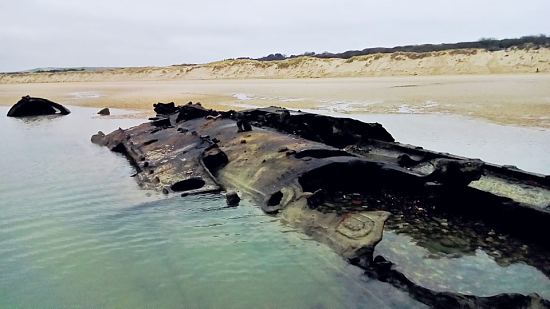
<point x="474" y="272"/>
<point x="76" y="231"/>
<point x="449" y="252"/>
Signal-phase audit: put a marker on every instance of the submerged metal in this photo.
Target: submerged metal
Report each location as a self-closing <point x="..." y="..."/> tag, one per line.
<point x="29" y="106"/>
<point x="297" y="164"/>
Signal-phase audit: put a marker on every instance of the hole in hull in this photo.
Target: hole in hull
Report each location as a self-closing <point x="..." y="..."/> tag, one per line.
<point x="188" y="184"/>
<point x="275" y="199"/>
<point x="214" y="159"/>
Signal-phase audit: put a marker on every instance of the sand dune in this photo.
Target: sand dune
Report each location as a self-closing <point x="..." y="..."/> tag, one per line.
<point x="459" y="61"/>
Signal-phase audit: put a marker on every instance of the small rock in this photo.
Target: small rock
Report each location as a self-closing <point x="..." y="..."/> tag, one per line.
<point x="104" y="112"/>
<point x="232" y="199"/>
<point x="243" y="141"/>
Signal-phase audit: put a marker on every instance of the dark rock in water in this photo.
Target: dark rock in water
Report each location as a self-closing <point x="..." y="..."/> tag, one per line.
<point x="104" y="112"/>
<point x="165" y="108"/>
<point x="29" y="106"/>
<point x="232" y="199"/>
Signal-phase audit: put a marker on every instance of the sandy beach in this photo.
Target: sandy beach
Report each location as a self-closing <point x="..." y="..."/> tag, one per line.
<point x="516" y="99"/>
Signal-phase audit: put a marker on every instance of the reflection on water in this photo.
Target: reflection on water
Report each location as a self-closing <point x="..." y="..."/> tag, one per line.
<point x="446" y="251"/>
<point x="77" y="232"/>
<point x="474" y="273"/>
<point x="466" y="262"/>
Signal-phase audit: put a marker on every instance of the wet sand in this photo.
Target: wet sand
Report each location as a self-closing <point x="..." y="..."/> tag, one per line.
<point x="518" y="99"/>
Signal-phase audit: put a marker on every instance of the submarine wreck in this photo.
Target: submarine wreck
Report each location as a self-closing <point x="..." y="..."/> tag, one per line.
<point x="338" y="180"/>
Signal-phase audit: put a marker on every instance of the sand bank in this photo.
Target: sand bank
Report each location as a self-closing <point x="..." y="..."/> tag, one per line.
<point x="518" y="99"/>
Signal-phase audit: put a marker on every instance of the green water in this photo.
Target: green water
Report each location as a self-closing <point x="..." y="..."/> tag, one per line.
<point x="76" y="231"/>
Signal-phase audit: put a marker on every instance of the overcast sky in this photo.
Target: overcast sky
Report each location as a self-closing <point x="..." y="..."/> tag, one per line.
<point x="70" y="33"/>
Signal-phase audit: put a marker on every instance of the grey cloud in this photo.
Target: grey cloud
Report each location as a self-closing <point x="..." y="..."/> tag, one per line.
<point x="39" y="33"/>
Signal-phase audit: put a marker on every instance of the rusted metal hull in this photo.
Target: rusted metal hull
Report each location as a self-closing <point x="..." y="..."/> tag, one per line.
<point x="296" y="164"/>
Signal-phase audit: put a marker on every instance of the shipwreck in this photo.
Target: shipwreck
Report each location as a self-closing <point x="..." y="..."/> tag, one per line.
<point x="29" y="106"/>
<point x="337" y="179"/>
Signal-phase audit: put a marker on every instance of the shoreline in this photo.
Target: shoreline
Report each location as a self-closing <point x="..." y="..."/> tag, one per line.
<point x="509" y="99"/>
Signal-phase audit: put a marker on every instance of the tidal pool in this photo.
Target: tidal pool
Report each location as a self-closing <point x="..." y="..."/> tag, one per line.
<point x="76" y="231"/>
